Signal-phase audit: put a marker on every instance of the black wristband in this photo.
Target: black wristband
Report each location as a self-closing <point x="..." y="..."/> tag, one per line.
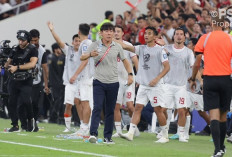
<point x="192" y="79"/>
<point x="17" y="67"/>
<point x="130" y="74"/>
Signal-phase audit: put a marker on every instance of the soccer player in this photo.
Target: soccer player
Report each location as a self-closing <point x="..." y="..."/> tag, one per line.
<point x="181" y="59"/>
<point x="71" y="65"/>
<point x="153" y="66"/>
<point x="126" y="94"/>
<point x="217" y="84"/>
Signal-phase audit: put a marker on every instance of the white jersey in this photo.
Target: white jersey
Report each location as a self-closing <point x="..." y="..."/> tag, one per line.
<point x="88" y="71"/>
<point x="72" y="62"/>
<point x="38" y="67"/>
<point x="122" y="73"/>
<point x="180" y="61"/>
<point x="150" y="63"/>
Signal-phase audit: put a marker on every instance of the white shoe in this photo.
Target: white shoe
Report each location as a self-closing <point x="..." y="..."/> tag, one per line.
<point x="92" y="139"/>
<point x="85" y="132"/>
<point x="115" y="135"/>
<point x="137" y="132"/>
<point x="127" y="136"/>
<point x="163" y="140"/>
<point x="66" y="130"/>
<point x="182" y="139"/>
<point x="159" y="135"/>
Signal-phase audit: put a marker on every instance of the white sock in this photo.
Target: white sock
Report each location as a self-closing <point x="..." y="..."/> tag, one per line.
<point x="81" y="125"/>
<point x="118" y="127"/>
<point x="164" y="131"/>
<point x="181" y="130"/>
<point x="67" y="122"/>
<point x="153" y="122"/>
<point x="169" y="112"/>
<point x="132" y="128"/>
<point x="187" y="125"/>
<point x="85" y="126"/>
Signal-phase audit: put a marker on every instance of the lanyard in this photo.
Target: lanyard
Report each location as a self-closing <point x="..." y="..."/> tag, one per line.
<point x="103" y="56"/>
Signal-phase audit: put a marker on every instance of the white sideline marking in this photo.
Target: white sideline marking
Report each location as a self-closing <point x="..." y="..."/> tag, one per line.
<point x="57" y="149"/>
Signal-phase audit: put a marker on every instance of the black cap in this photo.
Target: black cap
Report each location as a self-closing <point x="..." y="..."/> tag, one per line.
<point x="23" y="35"/>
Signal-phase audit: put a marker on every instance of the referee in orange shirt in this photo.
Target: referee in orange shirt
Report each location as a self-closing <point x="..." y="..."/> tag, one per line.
<point x="217" y="86"/>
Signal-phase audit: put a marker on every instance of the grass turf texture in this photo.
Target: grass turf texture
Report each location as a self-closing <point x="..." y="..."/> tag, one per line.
<point x="142" y="146"/>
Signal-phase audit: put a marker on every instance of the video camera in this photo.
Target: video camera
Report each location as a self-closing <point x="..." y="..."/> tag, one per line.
<point x="5" y="50"/>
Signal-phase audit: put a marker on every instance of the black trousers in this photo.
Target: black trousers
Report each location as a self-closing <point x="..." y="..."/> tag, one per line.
<point x="20" y="101"/>
<point x="36" y="95"/>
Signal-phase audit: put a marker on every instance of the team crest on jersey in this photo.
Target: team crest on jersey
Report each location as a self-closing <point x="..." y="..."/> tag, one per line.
<point x="165" y="56"/>
<point x="84" y="48"/>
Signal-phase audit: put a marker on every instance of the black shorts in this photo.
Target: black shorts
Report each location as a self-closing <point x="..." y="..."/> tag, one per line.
<point x="217" y="92"/>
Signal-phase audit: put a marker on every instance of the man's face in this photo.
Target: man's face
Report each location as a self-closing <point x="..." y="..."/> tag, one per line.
<point x="107" y="35"/>
<point x="208" y="28"/>
<point x="22" y="43"/>
<point x="149" y="36"/>
<point x="35" y="41"/>
<point x="118" y="33"/>
<point x="179" y="37"/>
<point x="111" y="17"/>
<point x="57" y="52"/>
<point x="167" y="22"/>
<point x="190" y="45"/>
<point x="76" y="42"/>
<point x="141" y="23"/>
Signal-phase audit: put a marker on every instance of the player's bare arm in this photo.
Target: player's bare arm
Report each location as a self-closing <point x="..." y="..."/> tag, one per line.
<point x="55" y="36"/>
<point x="88" y="55"/>
<point x="129" y="71"/>
<point x="196" y="68"/>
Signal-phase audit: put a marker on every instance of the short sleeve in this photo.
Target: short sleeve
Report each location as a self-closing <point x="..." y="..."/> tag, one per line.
<point x="44" y="58"/>
<point x="34" y="52"/>
<point x="137" y="49"/>
<point x="121" y="53"/>
<point x="91" y="47"/>
<point x="164" y="56"/>
<point x="65" y="49"/>
<point x="191" y="58"/>
<point x="200" y="44"/>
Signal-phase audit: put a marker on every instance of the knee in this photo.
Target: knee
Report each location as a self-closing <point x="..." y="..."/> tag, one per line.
<point x="138" y="108"/>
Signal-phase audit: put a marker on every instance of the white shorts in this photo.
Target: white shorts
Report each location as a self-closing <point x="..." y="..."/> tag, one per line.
<point x="175" y="96"/>
<point x="195" y="101"/>
<point x="152" y="94"/>
<point x="125" y="93"/>
<point x="70" y="93"/>
<point x="84" y="91"/>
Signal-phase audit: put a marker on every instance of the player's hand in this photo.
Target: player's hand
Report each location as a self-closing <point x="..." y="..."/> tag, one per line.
<point x="50" y="26"/>
<point x="192" y="84"/>
<point x="130" y="80"/>
<point x="94" y="53"/>
<point x="160" y="41"/>
<point x="12" y="69"/>
<point x="72" y="79"/>
<point x="154" y="82"/>
<point x="137" y="85"/>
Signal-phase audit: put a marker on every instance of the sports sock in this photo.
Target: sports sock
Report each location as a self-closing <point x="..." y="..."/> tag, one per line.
<point x="118" y="127"/>
<point x="222" y="134"/>
<point x="187" y="125"/>
<point x="215" y="131"/>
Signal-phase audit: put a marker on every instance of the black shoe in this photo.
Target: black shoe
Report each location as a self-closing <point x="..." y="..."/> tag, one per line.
<point x="108" y="141"/>
<point x="36" y="128"/>
<point x="202" y="133"/>
<point x="31" y="125"/>
<point x="14" y="129"/>
<point x="223" y="150"/>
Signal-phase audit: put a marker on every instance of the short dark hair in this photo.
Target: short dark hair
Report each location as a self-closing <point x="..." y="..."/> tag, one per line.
<point x="55" y="46"/>
<point x="84" y="28"/>
<point x="194" y="40"/>
<point x="107" y="26"/>
<point x="34" y="33"/>
<point x="75" y="36"/>
<point x="108" y="13"/>
<point x="169" y="17"/>
<point x="184" y="17"/>
<point x="153" y="29"/>
<point x="118" y="26"/>
<point x="157" y="19"/>
<point x="143" y="17"/>
<point x="192" y="16"/>
<point x="93" y="24"/>
<point x="179" y="28"/>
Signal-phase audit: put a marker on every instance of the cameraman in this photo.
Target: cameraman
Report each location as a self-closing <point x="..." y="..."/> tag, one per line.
<point x="20" y="64"/>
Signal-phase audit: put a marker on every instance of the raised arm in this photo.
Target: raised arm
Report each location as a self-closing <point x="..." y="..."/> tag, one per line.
<point x="55" y="36"/>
